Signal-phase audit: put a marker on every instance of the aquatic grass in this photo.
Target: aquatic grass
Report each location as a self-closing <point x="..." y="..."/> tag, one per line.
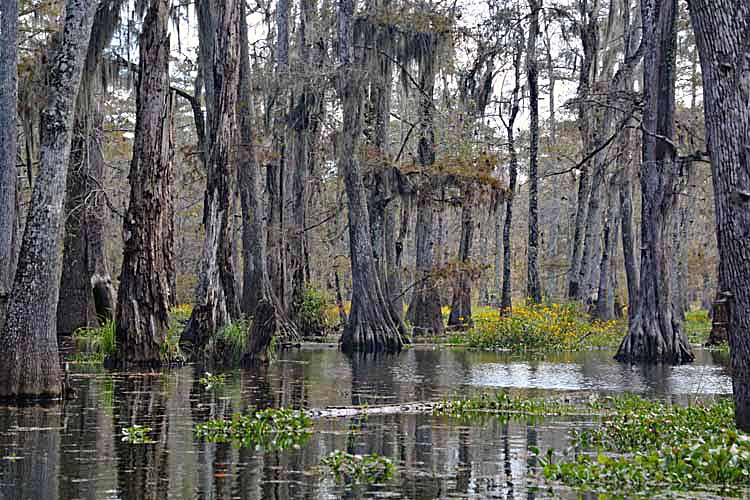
<point x="178" y="318"/>
<point x="95" y="343"/>
<point x="269" y="429"/>
<point x="650" y="445"/>
<point x="232" y="339"/>
<point x="137" y="434"/>
<point x="210" y="381"/>
<point x="539" y="328"/>
<point x="697" y="326"/>
<point x="312" y="318"/>
<point x="368" y="468"/>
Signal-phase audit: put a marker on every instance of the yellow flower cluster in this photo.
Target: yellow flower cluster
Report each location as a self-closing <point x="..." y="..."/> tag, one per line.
<point x="555" y="327"/>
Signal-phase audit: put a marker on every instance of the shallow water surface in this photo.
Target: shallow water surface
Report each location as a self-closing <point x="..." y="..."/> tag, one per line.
<point x="75" y="451"/>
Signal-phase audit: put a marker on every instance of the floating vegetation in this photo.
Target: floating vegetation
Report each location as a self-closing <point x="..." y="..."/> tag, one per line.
<point x="369" y="469"/>
<point x="544" y="328"/>
<point x="137" y="434"/>
<point x="210" y="381"/>
<point x="697" y="326"/>
<point x="648" y="446"/>
<point x="269" y="429"/>
<point x="95" y="343"/>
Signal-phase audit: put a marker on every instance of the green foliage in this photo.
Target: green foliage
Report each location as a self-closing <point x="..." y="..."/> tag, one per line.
<point x="697" y="326"/>
<point x="178" y="318"/>
<point x="556" y="327"/>
<point x="209" y="381"/>
<point x="269" y="429"/>
<point x="348" y="468"/>
<point x="232" y="339"/>
<point x="312" y="317"/>
<point x="95" y="343"/>
<point x="647" y="446"/>
<point x="137" y="434"/>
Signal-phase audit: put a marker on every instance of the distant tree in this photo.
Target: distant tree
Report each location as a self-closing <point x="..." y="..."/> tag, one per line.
<point x="216" y="300"/>
<point x="533" y="282"/>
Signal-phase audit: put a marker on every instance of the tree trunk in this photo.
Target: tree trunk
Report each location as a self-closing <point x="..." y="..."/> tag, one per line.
<point x="656" y="335"/>
<point x="506" y="300"/>
<point x="604" y="306"/>
<point x="533" y="283"/>
<point x="257" y="290"/>
<point x="424" y="308"/>
<point x="216" y="302"/>
<point x="144" y="294"/>
<point x="8" y="146"/>
<point x="460" y="316"/>
<point x="370" y="327"/>
<point x="276" y="170"/>
<point x="721" y="31"/>
<point x="86" y="292"/>
<point x="30" y="366"/>
<point x="589" y="32"/>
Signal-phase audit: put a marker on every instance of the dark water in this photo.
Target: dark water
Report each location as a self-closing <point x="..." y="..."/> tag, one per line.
<point x="75" y="451"/>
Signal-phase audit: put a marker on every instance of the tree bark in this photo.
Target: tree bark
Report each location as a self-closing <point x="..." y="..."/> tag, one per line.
<point x="656" y="335"/>
<point x="86" y="282"/>
<point x="533" y="283"/>
<point x="8" y="146"/>
<point x="589" y="41"/>
<point x="370" y="327"/>
<point x="721" y="31"/>
<point x="506" y="299"/>
<point x="216" y="302"/>
<point x="424" y="308"/>
<point x="460" y="316"/>
<point x="144" y="294"/>
<point x="30" y="366"/>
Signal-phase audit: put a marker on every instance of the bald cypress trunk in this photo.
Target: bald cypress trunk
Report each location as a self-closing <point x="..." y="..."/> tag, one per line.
<point x="533" y="282"/>
<point x="370" y="326"/>
<point x="460" y="315"/>
<point x="8" y="146"/>
<point x="86" y="292"/>
<point x="30" y="366"/>
<point x="721" y="31"/>
<point x="143" y="298"/>
<point x="506" y="298"/>
<point x="424" y="309"/>
<point x="589" y="42"/>
<point x="655" y="335"/>
<point x="216" y="301"/>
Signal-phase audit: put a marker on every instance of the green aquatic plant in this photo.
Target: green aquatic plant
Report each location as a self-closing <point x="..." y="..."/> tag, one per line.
<point x="311" y="318"/>
<point x="697" y="326"/>
<point x="137" y="434"/>
<point x="95" y="343"/>
<point x="503" y="403"/>
<point x="348" y="468"/>
<point x="210" y="381"/>
<point x="645" y="446"/>
<point x="269" y="429"/>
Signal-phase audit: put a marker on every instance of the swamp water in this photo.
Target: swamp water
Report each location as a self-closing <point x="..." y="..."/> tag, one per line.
<point x="76" y="451"/>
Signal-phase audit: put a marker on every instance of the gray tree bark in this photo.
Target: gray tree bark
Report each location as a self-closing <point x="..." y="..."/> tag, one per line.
<point x="86" y="292"/>
<point x="370" y="327"/>
<point x="8" y="146"/>
<point x="144" y="294"/>
<point x="424" y="308"/>
<point x="533" y="282"/>
<point x="589" y="41"/>
<point x="216" y="301"/>
<point x="721" y="31"/>
<point x="30" y="366"/>
<point x="656" y="335"/>
<point x="506" y="299"/>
